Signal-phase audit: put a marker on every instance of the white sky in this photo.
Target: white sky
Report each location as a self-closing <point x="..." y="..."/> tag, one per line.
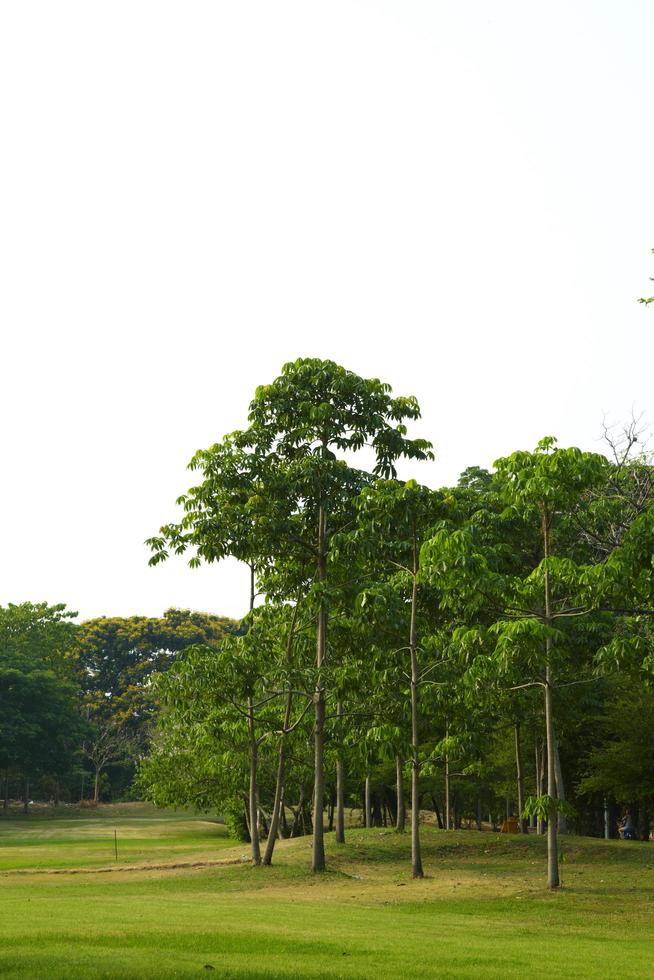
<point x="454" y="196"/>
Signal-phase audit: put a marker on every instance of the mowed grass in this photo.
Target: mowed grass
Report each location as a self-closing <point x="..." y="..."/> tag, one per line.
<point x="163" y="911"/>
<point x="85" y="839"/>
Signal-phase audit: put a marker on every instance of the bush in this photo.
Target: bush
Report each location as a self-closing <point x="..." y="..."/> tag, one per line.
<point x="236" y="823"/>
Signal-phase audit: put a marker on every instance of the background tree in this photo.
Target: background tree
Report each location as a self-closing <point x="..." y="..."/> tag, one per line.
<point x="116" y="659"/>
<point x="40" y="728"/>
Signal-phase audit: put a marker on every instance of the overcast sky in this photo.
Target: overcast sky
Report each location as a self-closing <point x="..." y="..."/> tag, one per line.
<point x="456" y="197"/>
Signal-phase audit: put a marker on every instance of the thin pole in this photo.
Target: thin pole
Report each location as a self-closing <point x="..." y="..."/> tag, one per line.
<point x="116" y="844"/>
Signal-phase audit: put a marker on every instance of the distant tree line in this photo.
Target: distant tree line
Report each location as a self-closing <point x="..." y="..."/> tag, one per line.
<point x="76" y="701"/>
<point x="480" y="651"/>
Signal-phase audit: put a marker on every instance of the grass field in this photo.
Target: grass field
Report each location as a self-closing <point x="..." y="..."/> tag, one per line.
<point x="167" y="908"/>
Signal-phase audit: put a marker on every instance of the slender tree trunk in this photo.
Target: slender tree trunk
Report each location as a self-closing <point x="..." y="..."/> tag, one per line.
<point x="283" y="824"/>
<point x="522" y="823"/>
<point x="281" y="819"/>
<point x="307" y="819"/>
<point x="437" y="812"/>
<point x="279" y="786"/>
<point x="478" y="813"/>
<point x="553" y="880"/>
<point x="390" y="800"/>
<point x="560" y="787"/>
<point x="5" y="791"/>
<point x="298" y="815"/>
<point x="253" y="796"/>
<point x="318" y="862"/>
<point x="340" y="785"/>
<point x="246" y="813"/>
<point x="96" y="784"/>
<point x="401" y="808"/>
<point x="447" y="784"/>
<point x="26" y="797"/>
<point x="540" y="779"/>
<point x="253" y="801"/>
<point x="367" y="805"/>
<point x="416" y="857"/>
<point x="340" y="801"/>
<point x="277" y="805"/>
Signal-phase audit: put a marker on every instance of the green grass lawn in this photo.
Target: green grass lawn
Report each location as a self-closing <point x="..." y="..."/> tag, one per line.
<point x="85" y="839"/>
<point x="167" y="909"/>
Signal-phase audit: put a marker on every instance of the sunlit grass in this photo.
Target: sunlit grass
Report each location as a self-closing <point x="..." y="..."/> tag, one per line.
<point x="482" y="911"/>
<point x="86" y="838"/>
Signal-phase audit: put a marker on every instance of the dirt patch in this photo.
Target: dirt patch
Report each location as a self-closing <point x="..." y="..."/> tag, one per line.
<point x="176" y="866"/>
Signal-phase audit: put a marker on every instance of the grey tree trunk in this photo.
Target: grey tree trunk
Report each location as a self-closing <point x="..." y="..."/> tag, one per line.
<point x="553" y="880"/>
<point x="253" y="796"/>
<point x="400" y="820"/>
<point x="298" y="815"/>
<point x="367" y="805"/>
<point x="277" y="805"/>
<point x="560" y="788"/>
<point x="253" y="800"/>
<point x="447" y="790"/>
<point x="522" y="823"/>
<point x="96" y="784"/>
<point x="318" y="862"/>
<point x="437" y="813"/>
<point x="246" y="813"/>
<point x="540" y="779"/>
<point x="340" y="787"/>
<point x="416" y="857"/>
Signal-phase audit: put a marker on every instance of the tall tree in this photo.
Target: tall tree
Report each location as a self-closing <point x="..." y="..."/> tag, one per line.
<point x="394" y="520"/>
<point x="538" y="611"/>
<point x="299" y="424"/>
